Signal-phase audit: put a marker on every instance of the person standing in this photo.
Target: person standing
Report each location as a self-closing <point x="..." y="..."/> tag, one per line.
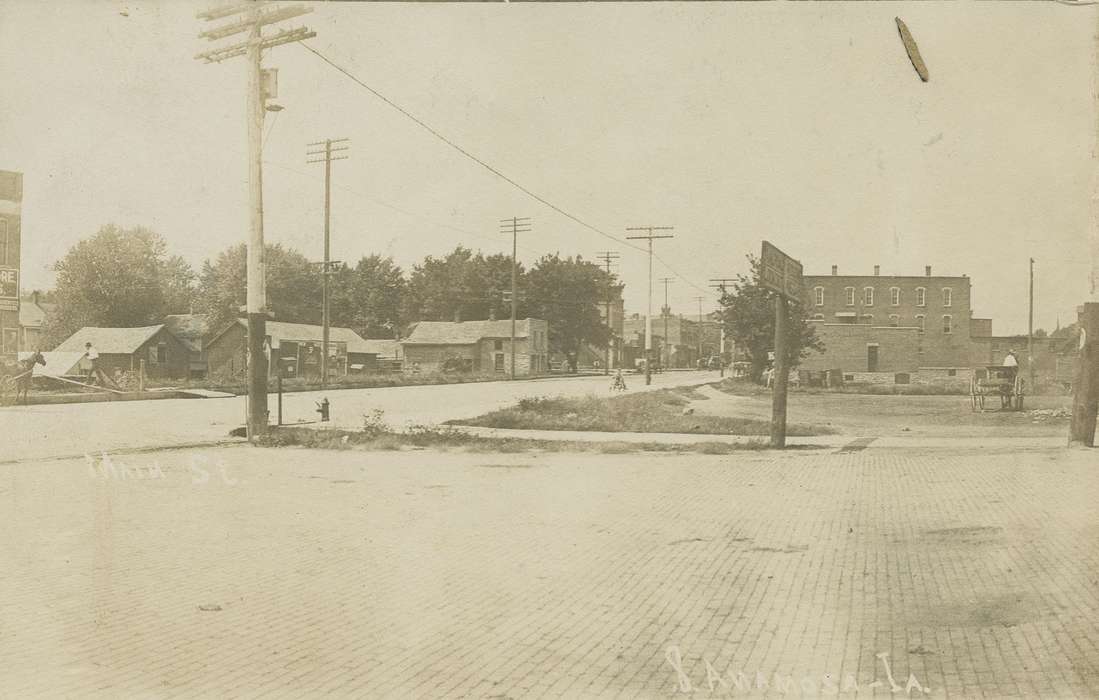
<point x="1010" y="360"/>
<point x="90" y="362"/>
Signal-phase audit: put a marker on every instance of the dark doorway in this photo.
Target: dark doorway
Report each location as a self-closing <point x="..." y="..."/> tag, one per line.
<point x="872" y="358"/>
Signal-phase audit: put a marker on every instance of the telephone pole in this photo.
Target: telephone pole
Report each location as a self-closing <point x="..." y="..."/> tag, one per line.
<point x="665" y="312"/>
<point x="721" y="283"/>
<point x="608" y="256"/>
<point x="701" y="328"/>
<point x="514" y="225"/>
<point x="262" y="85"/>
<point x="649" y="312"/>
<point x="325" y="156"/>
<point x="1030" y="332"/>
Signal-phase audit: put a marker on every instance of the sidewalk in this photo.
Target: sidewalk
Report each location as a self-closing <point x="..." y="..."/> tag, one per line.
<point x="849" y="442"/>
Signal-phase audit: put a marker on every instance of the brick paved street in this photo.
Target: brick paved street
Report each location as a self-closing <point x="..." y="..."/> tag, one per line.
<point x="415" y="574"/>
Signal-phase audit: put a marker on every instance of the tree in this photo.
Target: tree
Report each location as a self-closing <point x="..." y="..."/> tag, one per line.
<point x="293" y="286"/>
<point x="567" y="293"/>
<point x="748" y="314"/>
<point x="368" y="297"/>
<point x="118" y="278"/>
<point x="461" y="285"/>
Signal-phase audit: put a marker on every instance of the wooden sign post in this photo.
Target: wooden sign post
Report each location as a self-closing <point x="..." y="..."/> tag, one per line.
<point x="783" y="275"/>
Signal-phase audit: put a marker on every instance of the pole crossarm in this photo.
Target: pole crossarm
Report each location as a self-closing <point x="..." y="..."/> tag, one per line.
<point x="262" y="18"/>
<point x="285" y="36"/>
<point x="229" y="10"/>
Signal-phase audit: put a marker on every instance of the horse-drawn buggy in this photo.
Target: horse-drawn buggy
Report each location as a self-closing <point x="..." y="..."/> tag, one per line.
<point x="1006" y="383"/>
<point x="16" y="378"/>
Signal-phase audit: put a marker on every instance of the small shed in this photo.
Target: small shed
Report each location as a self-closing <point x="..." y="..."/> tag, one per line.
<point x="295" y="349"/>
<point x="191" y="330"/>
<point x="124" y="348"/>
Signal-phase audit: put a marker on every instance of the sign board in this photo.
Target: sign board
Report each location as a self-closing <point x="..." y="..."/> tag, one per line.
<point x="781" y="274"/>
<point x="9" y="283"/>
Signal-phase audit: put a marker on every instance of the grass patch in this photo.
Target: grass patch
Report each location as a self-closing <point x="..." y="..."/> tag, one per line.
<point x="650" y="412"/>
<point x="453" y="439"/>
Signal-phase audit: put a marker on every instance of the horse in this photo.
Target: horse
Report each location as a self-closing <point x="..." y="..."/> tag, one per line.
<point x="26" y="376"/>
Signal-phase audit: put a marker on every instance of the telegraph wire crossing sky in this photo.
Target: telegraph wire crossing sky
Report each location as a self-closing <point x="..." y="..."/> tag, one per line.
<point x="733" y="122"/>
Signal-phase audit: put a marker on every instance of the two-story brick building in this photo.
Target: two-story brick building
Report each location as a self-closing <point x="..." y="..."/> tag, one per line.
<point x="875" y="325"/>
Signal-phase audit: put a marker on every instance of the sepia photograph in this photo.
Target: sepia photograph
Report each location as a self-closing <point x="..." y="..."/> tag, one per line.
<point x="562" y="349"/>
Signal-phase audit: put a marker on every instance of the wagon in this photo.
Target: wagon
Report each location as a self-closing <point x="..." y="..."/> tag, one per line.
<point x="998" y="381"/>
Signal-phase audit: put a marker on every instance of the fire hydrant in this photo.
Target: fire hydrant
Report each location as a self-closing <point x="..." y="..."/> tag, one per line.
<point x="322" y="408"/>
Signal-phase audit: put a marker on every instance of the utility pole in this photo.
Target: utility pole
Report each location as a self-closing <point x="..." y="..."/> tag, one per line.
<point x="1030" y="332"/>
<point x="649" y="313"/>
<point x="325" y="156"/>
<point x="721" y="283"/>
<point x="1085" y="402"/>
<point x="700" y="326"/>
<point x="608" y="256"/>
<point x="665" y="312"/>
<point x="262" y="85"/>
<point x="514" y="225"/>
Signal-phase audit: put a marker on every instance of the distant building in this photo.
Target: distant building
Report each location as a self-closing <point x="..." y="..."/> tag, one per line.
<point x="477" y="346"/>
<point x="32" y="319"/>
<point x="675" y="339"/>
<point x="11" y="199"/>
<point x="295" y="348"/>
<point x="124" y="349"/>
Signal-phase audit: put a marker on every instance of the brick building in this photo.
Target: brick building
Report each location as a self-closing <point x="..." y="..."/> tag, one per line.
<point x="11" y="198"/>
<point x="894" y="324"/>
<point x="477" y="346"/>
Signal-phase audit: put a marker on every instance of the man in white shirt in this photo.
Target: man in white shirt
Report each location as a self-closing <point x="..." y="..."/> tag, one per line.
<point x="1010" y="360"/>
<point x="90" y="360"/>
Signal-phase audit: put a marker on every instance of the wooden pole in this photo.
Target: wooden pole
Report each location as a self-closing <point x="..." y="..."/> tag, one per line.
<point x="778" y="401"/>
<point x="141" y="374"/>
<point x="1085" y="405"/>
<point x="257" y="283"/>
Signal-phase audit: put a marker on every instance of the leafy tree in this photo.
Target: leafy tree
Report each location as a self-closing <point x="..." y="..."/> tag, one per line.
<point x="567" y="292"/>
<point x="748" y="314"/>
<point x="462" y="284"/>
<point x="118" y="278"/>
<point x="293" y="286"/>
<point x="368" y="297"/>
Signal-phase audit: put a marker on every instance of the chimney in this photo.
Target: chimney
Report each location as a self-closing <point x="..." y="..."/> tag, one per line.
<point x="877" y="270"/>
<point x="927" y="270"/>
<point x="835" y="270"/>
<point x="34" y="297"/>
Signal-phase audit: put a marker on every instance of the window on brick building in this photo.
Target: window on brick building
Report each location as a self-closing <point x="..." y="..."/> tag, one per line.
<point x="895" y="296"/>
<point x="868" y="296"/>
<point x="948" y="296"/>
<point x="921" y="296"/>
<point x="867" y="319"/>
<point x="948" y="322"/>
<point x="849" y="296"/>
<point x="894" y="320"/>
<point x="921" y="322"/>
<point x="818" y="296"/>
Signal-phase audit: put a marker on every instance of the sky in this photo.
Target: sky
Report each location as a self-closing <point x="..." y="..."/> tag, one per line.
<point x="803" y="124"/>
